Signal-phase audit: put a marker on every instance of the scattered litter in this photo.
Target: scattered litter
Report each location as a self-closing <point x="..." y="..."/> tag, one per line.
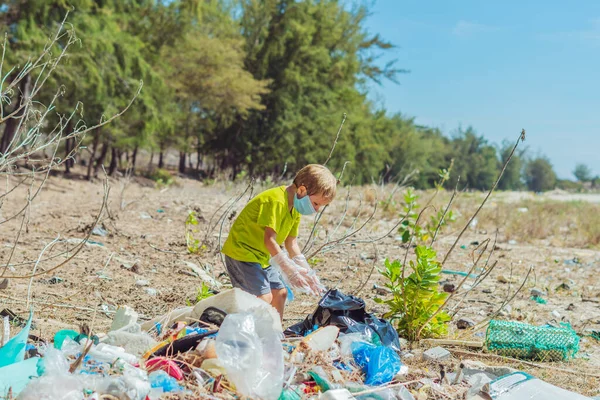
<point x="556" y="314"/>
<point x="160" y="211"/>
<point x="142" y="282"/>
<point x="203" y="275"/>
<point x="151" y="291"/>
<point x="522" y="209"/>
<point x="4" y="284"/>
<point x="99" y="231"/>
<point x="348" y="314"/>
<point x="512" y="242"/>
<point x="465" y="323"/>
<point x="510" y="279"/>
<point x="381" y="290"/>
<point x="522" y="386"/>
<point x="449" y="287"/>
<point x="436" y="354"/>
<point x="145" y="215"/>
<point x="572" y="262"/>
<point x="539" y="299"/>
<point x="538" y="293"/>
<point x="459" y="273"/>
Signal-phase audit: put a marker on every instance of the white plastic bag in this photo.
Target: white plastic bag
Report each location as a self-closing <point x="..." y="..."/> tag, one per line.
<point x="250" y="350"/>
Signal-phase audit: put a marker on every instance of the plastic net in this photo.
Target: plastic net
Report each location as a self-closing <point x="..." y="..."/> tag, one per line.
<point x="519" y="340"/>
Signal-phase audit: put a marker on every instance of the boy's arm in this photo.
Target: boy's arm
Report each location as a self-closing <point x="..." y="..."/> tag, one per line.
<point x="288" y="267"/>
<point x="291" y="245"/>
<point x="271" y="241"/>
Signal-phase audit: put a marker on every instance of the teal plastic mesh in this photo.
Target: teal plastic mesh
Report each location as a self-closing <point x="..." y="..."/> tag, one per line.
<point x="519" y="340"/>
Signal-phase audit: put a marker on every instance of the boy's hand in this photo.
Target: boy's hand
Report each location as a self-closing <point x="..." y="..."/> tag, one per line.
<point x="292" y="272"/>
<point x="309" y="274"/>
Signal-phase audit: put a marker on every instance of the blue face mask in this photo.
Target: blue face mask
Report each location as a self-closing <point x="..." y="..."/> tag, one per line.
<point x="304" y="205"/>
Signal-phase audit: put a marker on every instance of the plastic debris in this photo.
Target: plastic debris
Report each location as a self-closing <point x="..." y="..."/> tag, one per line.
<point x="99" y="231"/>
<point x="459" y="273"/>
<point x="251" y="352"/>
<point x="349" y="315"/>
<point x="539" y="299"/>
<point x="436" y="354"/>
<point x="522" y="386"/>
<point x="465" y="323"/>
<point x="379" y="363"/>
<point x="14" y="350"/>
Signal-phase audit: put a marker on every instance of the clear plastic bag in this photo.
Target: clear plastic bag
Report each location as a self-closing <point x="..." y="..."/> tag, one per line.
<point x="251" y="352"/>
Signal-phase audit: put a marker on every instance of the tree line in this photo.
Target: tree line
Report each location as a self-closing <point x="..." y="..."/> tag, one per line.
<point x="254" y="87"/>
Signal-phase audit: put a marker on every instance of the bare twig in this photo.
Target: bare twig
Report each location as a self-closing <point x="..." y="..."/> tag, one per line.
<point x="336" y="140"/>
<point x="35" y="268"/>
<point x="77" y="248"/>
<point x="519" y="140"/>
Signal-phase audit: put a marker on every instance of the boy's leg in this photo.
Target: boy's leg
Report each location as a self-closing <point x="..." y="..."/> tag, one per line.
<point x="279" y="297"/>
<point x="250" y="277"/>
<point x="278" y="290"/>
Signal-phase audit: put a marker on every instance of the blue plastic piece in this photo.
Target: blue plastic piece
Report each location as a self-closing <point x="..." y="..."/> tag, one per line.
<point x="379" y="363"/>
<point x="17" y="376"/>
<point x="189" y="330"/>
<point x="14" y="350"/>
<point x="162" y="380"/>
<point x="290" y="294"/>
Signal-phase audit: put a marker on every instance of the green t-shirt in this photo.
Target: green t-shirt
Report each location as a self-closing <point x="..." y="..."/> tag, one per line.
<point x="246" y="240"/>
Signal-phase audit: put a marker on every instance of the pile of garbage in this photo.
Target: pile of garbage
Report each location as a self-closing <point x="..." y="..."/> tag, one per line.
<point x="232" y="345"/>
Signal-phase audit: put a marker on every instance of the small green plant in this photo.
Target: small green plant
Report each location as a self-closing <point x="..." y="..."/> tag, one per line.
<point x="415" y="298"/>
<point x="422" y="233"/>
<point x="409" y="226"/>
<point x="314" y="261"/>
<point x="191" y="229"/>
<point x="161" y="176"/>
<point x="201" y="294"/>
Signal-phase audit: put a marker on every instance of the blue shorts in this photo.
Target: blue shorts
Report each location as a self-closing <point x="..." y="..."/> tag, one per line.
<point x="252" y="277"/>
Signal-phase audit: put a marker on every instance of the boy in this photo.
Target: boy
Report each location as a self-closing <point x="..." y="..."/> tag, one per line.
<point x="253" y="254"/>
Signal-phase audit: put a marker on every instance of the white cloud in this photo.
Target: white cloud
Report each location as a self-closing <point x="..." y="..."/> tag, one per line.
<point x="466" y="28"/>
<point x="591" y="34"/>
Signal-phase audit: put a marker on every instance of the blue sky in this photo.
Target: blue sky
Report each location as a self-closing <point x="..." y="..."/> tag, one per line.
<point x="499" y="66"/>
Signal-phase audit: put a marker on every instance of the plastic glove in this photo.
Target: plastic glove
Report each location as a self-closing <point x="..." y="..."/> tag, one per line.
<point x="309" y="274"/>
<point x="291" y="272"/>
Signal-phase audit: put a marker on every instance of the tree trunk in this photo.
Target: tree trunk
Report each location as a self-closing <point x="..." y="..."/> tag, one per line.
<point x="151" y="160"/>
<point x="161" y="161"/>
<point x="12" y="125"/>
<point x="68" y="148"/>
<point x="101" y="158"/>
<point x="182" y="162"/>
<point x="133" y="159"/>
<point x="190" y="161"/>
<point x="199" y="159"/>
<point x="113" y="161"/>
<point x="92" y="156"/>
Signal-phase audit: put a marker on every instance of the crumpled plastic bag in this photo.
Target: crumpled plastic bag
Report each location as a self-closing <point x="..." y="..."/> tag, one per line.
<point x="379" y="363"/>
<point x="56" y="383"/>
<point x="251" y="352"/>
<point x="347" y="313"/>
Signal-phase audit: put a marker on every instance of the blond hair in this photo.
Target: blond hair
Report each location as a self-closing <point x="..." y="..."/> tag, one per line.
<point x="317" y="180"/>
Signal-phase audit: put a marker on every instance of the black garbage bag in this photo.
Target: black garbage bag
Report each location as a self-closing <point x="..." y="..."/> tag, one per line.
<point x="347" y="313"/>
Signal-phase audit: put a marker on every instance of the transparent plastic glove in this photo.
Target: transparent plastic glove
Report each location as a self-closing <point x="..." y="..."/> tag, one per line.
<point x="309" y="274"/>
<point x="291" y="272"/>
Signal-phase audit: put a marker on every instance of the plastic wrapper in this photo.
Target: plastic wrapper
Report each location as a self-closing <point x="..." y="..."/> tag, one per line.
<point x="522" y="386"/>
<point x="348" y="313"/>
<point x="56" y="383"/>
<point x="251" y="352"/>
<point x="379" y="363"/>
